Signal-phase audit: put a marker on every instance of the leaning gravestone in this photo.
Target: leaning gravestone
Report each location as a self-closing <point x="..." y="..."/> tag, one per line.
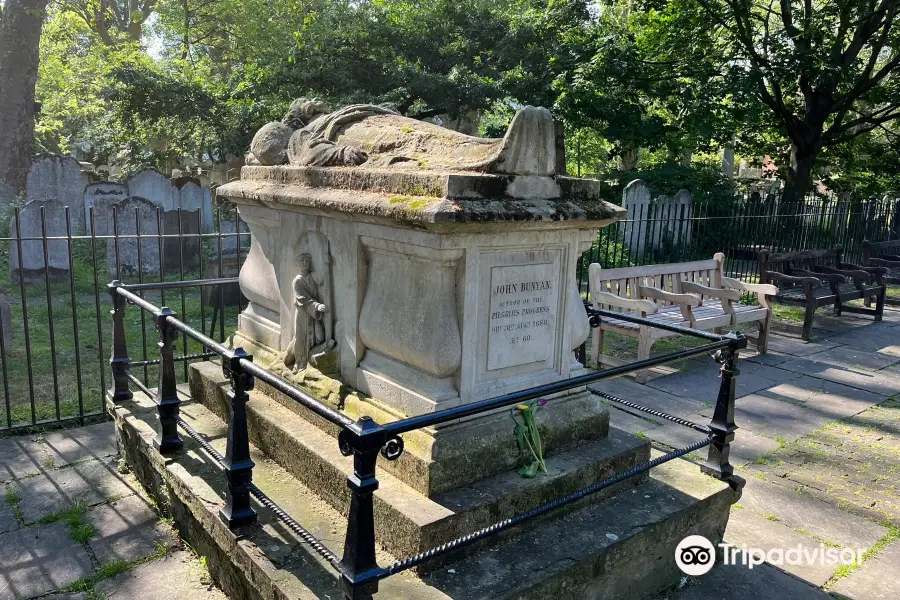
<point x="132" y="216"/>
<point x="182" y="251"/>
<point x="93" y="193"/>
<point x="61" y="179"/>
<point x="155" y="187"/>
<point x="33" y="264"/>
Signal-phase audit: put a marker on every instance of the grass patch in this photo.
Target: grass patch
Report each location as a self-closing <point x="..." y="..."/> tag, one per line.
<point x="845" y="570"/>
<point x="73" y="516"/>
<point x="13" y="498"/>
<point x="772" y="517"/>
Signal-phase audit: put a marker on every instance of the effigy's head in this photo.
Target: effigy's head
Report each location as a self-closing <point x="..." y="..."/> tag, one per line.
<point x="303" y="111"/>
<point x="305" y="264"/>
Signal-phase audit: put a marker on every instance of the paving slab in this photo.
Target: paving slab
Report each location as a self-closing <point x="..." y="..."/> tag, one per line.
<point x="703" y="384"/>
<point x="177" y="576"/>
<point x="797" y="347"/>
<point x="631" y="421"/>
<point x="834" y="400"/>
<point x="855" y="358"/>
<point x="769" y="358"/>
<point x="876" y="579"/>
<point x="777" y="419"/>
<point x="92" y="482"/>
<point x="885" y="381"/>
<point x="82" y="443"/>
<point x="19" y="457"/>
<point x="37" y="560"/>
<point x="801" y="512"/>
<point x="728" y="582"/>
<point x="649" y="396"/>
<point x="127" y="529"/>
<point x="8" y="520"/>
<point x="747" y="529"/>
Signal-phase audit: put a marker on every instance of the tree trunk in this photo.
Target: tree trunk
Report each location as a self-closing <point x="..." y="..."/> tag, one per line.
<point x="797" y="177"/>
<point x="20" y="36"/>
<point x="628" y="159"/>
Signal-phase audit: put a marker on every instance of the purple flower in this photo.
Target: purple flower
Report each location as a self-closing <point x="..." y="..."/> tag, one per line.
<point x="542" y="402"/>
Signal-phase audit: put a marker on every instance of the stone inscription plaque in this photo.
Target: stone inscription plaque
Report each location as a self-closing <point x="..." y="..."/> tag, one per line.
<point x="522" y="320"/>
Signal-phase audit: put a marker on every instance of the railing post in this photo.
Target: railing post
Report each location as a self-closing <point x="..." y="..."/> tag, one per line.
<point x="118" y="359"/>
<point x="238" y="465"/>
<point x="359" y="545"/>
<point x="722" y="424"/>
<point x="167" y="439"/>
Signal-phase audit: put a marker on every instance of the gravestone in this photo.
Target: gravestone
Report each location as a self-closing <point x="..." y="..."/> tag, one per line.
<point x="58" y="178"/>
<point x="153" y="186"/>
<point x="190" y="196"/>
<point x="134" y="215"/>
<point x="654" y="223"/>
<point x="6" y="321"/>
<point x="7" y="195"/>
<point x="182" y="250"/>
<point x="33" y="264"/>
<point x="230" y="239"/>
<point x="115" y="192"/>
<point x="193" y="196"/>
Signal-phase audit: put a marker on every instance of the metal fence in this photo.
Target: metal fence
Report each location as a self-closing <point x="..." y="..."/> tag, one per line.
<point x="741" y="229"/>
<point x="54" y="334"/>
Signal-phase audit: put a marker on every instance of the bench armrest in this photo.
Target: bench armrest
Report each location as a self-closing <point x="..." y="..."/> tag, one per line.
<point x="762" y="290"/>
<point x="658" y="294"/>
<point x="647" y="307"/>
<point x="877" y="273"/>
<point x="705" y="290"/>
<point x="858" y="277"/>
<point x="811" y="279"/>
<point x="821" y="275"/>
<point x="885" y="262"/>
<point x="892" y="257"/>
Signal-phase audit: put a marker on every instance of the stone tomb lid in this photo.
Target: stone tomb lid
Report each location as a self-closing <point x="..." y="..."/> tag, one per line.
<point x="426" y="197"/>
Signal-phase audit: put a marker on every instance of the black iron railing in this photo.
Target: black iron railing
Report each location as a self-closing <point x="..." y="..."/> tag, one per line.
<point x="364" y="439"/>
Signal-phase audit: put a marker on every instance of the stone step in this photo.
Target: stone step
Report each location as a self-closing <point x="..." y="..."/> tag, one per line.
<point x="409" y="522"/>
<point x="620" y="548"/>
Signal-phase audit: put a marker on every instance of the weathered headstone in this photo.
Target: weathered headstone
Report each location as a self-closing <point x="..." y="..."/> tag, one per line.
<point x="183" y="250"/>
<point x="190" y="196"/>
<point x="155" y="187"/>
<point x="33" y="264"/>
<point x="134" y="215"/>
<point x="7" y="195"/>
<point x="653" y="222"/>
<point x="116" y="192"/>
<point x="218" y="175"/>
<point x="230" y="239"/>
<point x="58" y="178"/>
<point x="6" y="321"/>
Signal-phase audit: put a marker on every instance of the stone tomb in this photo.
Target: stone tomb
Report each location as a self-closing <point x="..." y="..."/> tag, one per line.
<point x="390" y="284"/>
<point x="34" y="263"/>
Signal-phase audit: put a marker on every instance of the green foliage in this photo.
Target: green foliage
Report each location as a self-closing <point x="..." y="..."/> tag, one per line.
<point x="704" y="181"/>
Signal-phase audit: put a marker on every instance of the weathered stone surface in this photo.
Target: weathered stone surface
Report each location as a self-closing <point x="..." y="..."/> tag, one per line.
<point x="34" y="265"/>
<point x="8" y="521"/>
<point x="59" y="179"/>
<point x="764" y="581"/>
<point x="876" y="579"/>
<point x="177" y="576"/>
<point x="40" y="559"/>
<point x="270" y="143"/>
<point x="83" y="443"/>
<point x="774" y="418"/>
<point x="196" y="197"/>
<point x="801" y="512"/>
<point x="747" y="529"/>
<point x="154" y="186"/>
<point x="182" y="251"/>
<point x="703" y="384"/>
<point x="833" y="400"/>
<point x="885" y="381"/>
<point x="128" y="256"/>
<point x="230" y="237"/>
<point x="20" y="457"/>
<point x="797" y="347"/>
<point x="6" y="321"/>
<point x="854" y="358"/>
<point x="91" y="482"/>
<point x="107" y="191"/>
<point x="127" y="529"/>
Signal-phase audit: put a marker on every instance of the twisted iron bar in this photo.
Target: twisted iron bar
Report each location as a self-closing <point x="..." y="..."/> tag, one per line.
<point x="654" y="412"/>
<point x="263" y="499"/>
<point x="418" y="559"/>
<point x="142" y="363"/>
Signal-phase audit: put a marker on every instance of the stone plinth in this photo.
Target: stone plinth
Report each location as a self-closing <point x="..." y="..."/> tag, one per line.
<point x="442" y="289"/>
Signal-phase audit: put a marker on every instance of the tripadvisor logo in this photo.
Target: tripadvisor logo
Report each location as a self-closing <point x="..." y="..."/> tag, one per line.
<point x="695" y="555"/>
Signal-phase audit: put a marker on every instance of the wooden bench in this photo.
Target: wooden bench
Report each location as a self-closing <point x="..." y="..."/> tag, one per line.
<point x="887" y="255"/>
<point x="693" y="294"/>
<point x="815" y="278"/>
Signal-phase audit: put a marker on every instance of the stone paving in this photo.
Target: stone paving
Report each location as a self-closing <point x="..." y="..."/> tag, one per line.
<point x="74" y="525"/>
<point x="819" y="447"/>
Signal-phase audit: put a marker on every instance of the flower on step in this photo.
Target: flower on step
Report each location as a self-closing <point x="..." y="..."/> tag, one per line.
<point x="528" y="437"/>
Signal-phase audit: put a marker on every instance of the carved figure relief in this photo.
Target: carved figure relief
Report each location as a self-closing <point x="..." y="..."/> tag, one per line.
<point x="313" y="326"/>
